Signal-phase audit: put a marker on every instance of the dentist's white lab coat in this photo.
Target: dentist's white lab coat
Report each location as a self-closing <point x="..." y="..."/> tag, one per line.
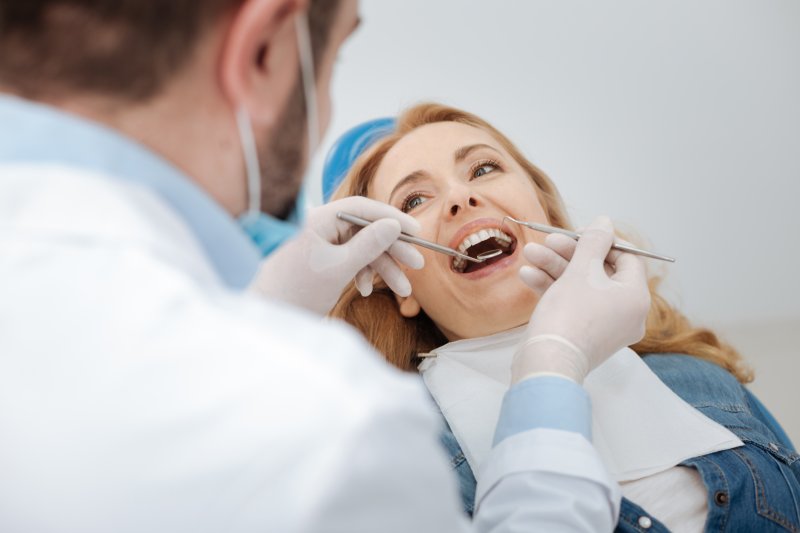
<point x="137" y="393"/>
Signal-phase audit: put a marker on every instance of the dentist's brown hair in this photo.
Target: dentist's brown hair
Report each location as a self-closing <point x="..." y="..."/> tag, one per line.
<point x="125" y="49"/>
<point x="401" y="339"/>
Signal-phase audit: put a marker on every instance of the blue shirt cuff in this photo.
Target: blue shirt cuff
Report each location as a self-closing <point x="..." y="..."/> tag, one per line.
<point x="545" y="402"/>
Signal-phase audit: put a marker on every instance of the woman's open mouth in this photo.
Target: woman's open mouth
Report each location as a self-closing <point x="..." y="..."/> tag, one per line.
<point x="480" y="242"/>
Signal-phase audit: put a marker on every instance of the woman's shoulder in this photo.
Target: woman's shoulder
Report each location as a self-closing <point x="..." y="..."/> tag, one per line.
<point x="717" y="393"/>
<point x="699" y="382"/>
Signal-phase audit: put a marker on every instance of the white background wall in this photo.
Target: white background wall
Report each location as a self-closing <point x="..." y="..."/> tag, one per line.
<point x="678" y="119"/>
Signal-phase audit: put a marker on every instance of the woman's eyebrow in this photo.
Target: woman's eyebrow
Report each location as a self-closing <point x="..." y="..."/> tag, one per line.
<point x="414" y="177"/>
<point x="464" y="151"/>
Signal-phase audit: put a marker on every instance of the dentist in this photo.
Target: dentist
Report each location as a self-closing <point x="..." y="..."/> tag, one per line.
<point x="143" y="388"/>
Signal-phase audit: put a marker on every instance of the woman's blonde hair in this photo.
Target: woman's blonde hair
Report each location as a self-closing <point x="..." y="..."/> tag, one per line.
<point x="401" y="339"/>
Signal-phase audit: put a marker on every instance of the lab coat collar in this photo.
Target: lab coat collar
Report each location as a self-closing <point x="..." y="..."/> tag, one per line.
<point x="36" y="133"/>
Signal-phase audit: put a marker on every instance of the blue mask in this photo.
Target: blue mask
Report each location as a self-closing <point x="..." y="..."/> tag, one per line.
<point x="268" y="232"/>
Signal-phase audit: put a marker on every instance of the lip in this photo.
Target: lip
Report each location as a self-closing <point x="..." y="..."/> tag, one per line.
<point x="477" y="225"/>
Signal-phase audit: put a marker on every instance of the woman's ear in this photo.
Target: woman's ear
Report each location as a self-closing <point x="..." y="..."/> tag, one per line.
<point x="409" y="307"/>
<point x="258" y="63"/>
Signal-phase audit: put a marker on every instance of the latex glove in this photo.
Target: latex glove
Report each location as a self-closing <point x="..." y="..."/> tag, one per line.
<point x="597" y="305"/>
<point x="312" y="269"/>
<point x="549" y="261"/>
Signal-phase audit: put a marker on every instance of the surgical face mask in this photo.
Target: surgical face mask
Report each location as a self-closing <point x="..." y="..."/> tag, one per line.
<point x="266" y="231"/>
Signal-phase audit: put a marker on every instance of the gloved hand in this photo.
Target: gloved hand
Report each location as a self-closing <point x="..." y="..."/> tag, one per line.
<point x="312" y="269"/>
<point x="591" y="307"/>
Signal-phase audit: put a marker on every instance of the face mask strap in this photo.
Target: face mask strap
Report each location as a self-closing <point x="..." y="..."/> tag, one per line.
<point x="309" y="81"/>
<point x="250" y="152"/>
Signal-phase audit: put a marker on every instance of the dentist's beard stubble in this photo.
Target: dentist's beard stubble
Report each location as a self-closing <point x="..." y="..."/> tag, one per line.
<point x="282" y="161"/>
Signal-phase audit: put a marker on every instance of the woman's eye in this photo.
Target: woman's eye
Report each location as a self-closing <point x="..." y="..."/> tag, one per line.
<point x="484" y="168"/>
<point x="413" y="200"/>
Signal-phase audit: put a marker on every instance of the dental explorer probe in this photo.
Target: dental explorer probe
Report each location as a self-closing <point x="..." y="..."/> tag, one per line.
<point x="618" y="246"/>
<point x="358" y="221"/>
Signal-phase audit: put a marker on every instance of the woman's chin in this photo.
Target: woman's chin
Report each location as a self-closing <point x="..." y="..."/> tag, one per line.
<point x="491" y="316"/>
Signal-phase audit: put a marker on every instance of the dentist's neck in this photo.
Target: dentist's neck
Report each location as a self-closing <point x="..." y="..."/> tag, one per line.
<point x="189" y="123"/>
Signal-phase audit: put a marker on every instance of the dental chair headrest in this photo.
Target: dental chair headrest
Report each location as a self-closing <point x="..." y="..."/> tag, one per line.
<point x="346" y="150"/>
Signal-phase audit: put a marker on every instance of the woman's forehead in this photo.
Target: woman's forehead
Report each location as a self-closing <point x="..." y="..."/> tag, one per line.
<point x="427" y="148"/>
<point x="438" y="139"/>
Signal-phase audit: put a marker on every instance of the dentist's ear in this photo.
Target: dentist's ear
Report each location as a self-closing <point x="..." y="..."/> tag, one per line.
<point x="258" y="65"/>
<point x="409" y="306"/>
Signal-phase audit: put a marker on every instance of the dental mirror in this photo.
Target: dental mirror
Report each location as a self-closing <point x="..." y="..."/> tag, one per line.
<point x="483" y="256"/>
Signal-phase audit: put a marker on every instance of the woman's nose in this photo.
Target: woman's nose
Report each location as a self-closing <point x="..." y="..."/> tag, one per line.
<point x="460" y="197"/>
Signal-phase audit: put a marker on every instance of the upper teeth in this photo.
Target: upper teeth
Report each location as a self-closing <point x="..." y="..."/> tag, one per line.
<point x="483" y="235"/>
<point x="479" y="236"/>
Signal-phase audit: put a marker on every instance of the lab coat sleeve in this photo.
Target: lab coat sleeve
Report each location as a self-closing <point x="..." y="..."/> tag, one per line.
<point x="543" y="472"/>
<point x="544" y="402"/>
<point x="396" y="479"/>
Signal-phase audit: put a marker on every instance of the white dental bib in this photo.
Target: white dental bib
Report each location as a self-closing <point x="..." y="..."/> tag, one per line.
<point x="639" y="426"/>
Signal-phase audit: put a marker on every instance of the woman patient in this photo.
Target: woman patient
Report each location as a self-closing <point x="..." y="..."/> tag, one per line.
<point x="733" y="469"/>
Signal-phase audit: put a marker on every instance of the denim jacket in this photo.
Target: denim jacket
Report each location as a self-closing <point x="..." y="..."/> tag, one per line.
<point x="751" y="488"/>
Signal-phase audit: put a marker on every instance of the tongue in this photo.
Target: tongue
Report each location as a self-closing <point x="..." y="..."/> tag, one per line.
<point x="483" y="247"/>
<point x="472" y="267"/>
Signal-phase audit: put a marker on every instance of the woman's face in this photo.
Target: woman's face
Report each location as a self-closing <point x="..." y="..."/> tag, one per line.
<point x="459" y="183"/>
